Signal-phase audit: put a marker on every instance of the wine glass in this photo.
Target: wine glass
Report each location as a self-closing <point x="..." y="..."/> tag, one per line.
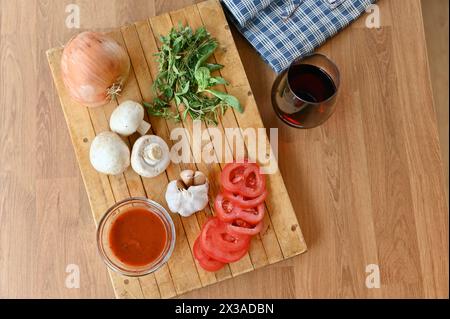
<point x="304" y="95"/>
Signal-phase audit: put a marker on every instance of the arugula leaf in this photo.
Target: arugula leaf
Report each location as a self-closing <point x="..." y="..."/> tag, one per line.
<point x="214" y="66"/>
<point x="177" y="100"/>
<point x="228" y="99"/>
<point x="158" y="111"/>
<point x="217" y="81"/>
<point x="202" y="76"/>
<point x="185" y="78"/>
<point x="204" y="52"/>
<point x="184" y="90"/>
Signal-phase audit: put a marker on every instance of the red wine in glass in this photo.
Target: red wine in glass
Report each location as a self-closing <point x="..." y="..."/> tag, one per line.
<point x="304" y="96"/>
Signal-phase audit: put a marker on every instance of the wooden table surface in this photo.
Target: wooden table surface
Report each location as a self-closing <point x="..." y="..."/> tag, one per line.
<point x="368" y="186"/>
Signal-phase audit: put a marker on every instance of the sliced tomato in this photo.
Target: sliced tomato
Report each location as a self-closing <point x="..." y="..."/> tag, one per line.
<point x="245" y="202"/>
<point x="216" y="241"/>
<point x="241" y="227"/>
<point x="227" y="211"/>
<point x="243" y="179"/>
<point x="216" y="231"/>
<point x="206" y="262"/>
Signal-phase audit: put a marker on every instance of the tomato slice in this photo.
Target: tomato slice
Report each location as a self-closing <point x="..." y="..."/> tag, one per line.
<point x="206" y="262"/>
<point x="218" y="233"/>
<point x="243" y="179"/>
<point x="214" y="241"/>
<point x="240" y="227"/>
<point x="245" y="202"/>
<point x="227" y="211"/>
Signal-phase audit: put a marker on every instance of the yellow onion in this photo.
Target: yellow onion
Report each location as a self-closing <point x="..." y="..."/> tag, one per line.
<point x="94" y="68"/>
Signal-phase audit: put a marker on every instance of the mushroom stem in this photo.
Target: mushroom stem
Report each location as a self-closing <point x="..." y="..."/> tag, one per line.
<point x="144" y="127"/>
<point x="152" y="154"/>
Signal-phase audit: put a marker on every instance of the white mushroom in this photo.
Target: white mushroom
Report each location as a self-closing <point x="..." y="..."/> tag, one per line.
<point x="109" y="154"/>
<point x="150" y="156"/>
<point x="186" y="201"/>
<point x="128" y="118"/>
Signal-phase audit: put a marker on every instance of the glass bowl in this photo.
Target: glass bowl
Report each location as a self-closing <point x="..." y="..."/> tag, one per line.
<point x="106" y="223"/>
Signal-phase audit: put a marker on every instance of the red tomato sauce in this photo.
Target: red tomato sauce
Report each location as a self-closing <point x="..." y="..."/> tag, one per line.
<point x="137" y="237"/>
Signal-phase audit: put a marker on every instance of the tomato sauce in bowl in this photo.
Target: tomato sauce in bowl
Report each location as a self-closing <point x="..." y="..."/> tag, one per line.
<point x="136" y="237"/>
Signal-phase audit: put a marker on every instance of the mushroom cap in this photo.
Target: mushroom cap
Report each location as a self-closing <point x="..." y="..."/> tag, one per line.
<point x="109" y="154"/>
<point x="138" y="156"/>
<point x="126" y="118"/>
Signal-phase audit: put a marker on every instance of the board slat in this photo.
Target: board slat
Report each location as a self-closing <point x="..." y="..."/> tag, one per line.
<point x="138" y="58"/>
<point x="97" y="186"/>
<point x="162" y="25"/>
<point x="162" y="278"/>
<point x="192" y="18"/>
<point x="289" y="235"/>
<point x="282" y="237"/>
<point x="272" y="248"/>
<point x="181" y="265"/>
<point x="149" y="46"/>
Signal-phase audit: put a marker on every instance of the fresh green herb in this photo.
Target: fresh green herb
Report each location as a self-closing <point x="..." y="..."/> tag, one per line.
<point x="185" y="78"/>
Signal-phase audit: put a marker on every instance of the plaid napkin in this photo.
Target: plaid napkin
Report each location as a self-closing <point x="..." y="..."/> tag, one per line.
<point x="244" y="11"/>
<point x="283" y="30"/>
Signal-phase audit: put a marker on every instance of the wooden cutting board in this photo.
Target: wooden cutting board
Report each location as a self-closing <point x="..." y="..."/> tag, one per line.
<point x="281" y="238"/>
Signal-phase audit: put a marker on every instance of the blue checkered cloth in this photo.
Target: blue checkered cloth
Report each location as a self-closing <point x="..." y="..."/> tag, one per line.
<point x="244" y="11"/>
<point x="284" y="30"/>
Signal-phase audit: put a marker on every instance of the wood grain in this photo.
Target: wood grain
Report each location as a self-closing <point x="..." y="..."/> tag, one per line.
<point x="435" y="16"/>
<point x="335" y="175"/>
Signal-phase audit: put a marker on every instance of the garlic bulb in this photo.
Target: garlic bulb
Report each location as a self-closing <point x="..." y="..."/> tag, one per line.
<point x="186" y="201"/>
<point x="94" y="68"/>
<point x="189" y="178"/>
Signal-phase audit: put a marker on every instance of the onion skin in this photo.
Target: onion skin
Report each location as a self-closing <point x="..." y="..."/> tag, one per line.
<point x="93" y="67"/>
